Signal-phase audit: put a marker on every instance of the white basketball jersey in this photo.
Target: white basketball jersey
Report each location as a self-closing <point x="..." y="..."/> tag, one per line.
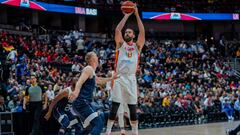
<point x="127" y="58"/>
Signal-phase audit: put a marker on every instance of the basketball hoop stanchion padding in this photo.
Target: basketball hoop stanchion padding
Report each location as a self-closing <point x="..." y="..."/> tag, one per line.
<point x="6" y="121"/>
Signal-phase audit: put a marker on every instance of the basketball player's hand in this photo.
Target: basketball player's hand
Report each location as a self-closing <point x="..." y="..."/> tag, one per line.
<point x="47" y="116"/>
<point x="115" y="76"/>
<point x="136" y="10"/>
<point x="127" y="14"/>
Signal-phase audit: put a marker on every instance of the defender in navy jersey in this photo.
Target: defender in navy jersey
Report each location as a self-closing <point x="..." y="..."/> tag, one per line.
<point x="83" y="95"/>
<point x="60" y="107"/>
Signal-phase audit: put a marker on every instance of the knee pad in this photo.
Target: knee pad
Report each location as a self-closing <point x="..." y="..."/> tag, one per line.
<point x="114" y="110"/>
<point x="133" y="114"/>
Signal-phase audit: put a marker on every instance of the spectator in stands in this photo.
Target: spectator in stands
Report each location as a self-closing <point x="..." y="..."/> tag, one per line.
<point x="12" y="56"/>
<point x="50" y="93"/>
<point x="66" y="59"/>
<point x="36" y="96"/>
<point x="198" y="106"/>
<point x="166" y="101"/>
<point x="222" y="44"/>
<point x="12" y="104"/>
<point x="75" y="67"/>
<point x="12" y="87"/>
<point x="237" y="104"/>
<point x="80" y="45"/>
<point x="3" y="107"/>
<point x="227" y="108"/>
<point x="238" y="53"/>
<point x="198" y="109"/>
<point x="58" y="86"/>
<point x="102" y="53"/>
<point x="208" y="103"/>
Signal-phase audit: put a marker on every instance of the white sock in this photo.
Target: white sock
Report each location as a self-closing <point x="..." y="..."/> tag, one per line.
<point x="134" y="129"/>
<point x="122" y="131"/>
<point x="121" y="120"/>
<point x="109" y="127"/>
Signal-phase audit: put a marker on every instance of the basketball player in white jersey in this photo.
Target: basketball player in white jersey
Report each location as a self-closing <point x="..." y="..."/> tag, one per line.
<point x="127" y="58"/>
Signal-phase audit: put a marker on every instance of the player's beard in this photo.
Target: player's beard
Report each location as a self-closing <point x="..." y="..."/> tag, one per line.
<point x="127" y="38"/>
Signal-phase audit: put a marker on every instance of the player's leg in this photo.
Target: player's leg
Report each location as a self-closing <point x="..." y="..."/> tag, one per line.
<point x="97" y="125"/>
<point x="121" y="119"/>
<point x="131" y="100"/>
<point x="121" y="123"/>
<point x="63" y="120"/>
<point x="112" y="116"/>
<point x="233" y="132"/>
<point x="133" y="118"/>
<point x="75" y="124"/>
<point x="116" y="100"/>
<point x="92" y="122"/>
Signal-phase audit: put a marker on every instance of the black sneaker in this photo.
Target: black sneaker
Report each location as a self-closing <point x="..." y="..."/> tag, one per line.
<point x="230" y="132"/>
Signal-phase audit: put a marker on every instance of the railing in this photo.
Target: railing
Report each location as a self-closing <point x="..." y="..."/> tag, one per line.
<point x="233" y="65"/>
<point x="6" y="125"/>
<point x="17" y="32"/>
<point x="236" y="63"/>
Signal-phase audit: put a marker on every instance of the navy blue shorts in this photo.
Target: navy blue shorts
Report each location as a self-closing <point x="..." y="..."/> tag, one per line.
<point x="85" y="111"/>
<point x="65" y="118"/>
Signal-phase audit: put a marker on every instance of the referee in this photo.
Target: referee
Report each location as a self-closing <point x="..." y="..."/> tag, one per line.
<point x="34" y="95"/>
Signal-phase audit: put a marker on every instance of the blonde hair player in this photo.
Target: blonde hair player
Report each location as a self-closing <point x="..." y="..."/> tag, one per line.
<point x="127" y="58"/>
<point x="82" y="96"/>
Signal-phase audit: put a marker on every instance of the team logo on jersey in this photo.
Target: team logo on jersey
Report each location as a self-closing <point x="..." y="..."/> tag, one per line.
<point x="129" y="51"/>
<point x="129" y="54"/>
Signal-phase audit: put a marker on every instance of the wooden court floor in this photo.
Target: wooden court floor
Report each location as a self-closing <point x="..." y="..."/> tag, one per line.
<point x="204" y="129"/>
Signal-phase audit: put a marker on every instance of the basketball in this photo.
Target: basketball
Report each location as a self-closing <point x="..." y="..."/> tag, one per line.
<point x="128" y="7"/>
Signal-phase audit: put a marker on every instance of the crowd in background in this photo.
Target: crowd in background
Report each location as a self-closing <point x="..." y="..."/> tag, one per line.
<point x="173" y="74"/>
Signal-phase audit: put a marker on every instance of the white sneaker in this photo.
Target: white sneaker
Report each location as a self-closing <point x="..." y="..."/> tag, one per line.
<point x="122" y="132"/>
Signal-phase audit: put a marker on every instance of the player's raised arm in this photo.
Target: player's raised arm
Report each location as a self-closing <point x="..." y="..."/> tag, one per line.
<point x="141" y="36"/>
<point x="118" y="31"/>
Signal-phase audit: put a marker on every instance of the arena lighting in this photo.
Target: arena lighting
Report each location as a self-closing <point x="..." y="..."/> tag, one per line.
<point x="50" y="7"/>
<point x="189" y="16"/>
